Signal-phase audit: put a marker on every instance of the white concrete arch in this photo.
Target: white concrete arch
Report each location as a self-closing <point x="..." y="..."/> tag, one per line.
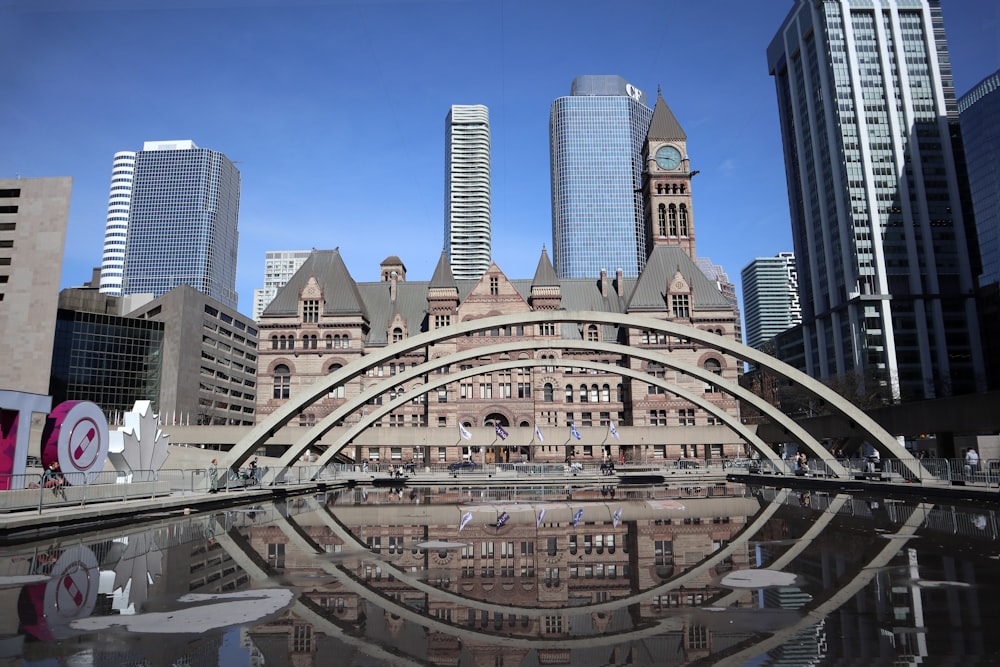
<point x="866" y="426"/>
<point x="321" y="427"/>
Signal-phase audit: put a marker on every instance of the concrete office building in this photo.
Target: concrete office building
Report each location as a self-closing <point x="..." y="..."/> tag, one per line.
<point x="116" y="228"/>
<point x="183" y="222"/>
<point x="467" y="214"/>
<point x="33" y="217"/>
<point x="279" y="266"/>
<point x="192" y="357"/>
<point x="868" y="118"/>
<point x="770" y="298"/>
<point x="979" y="111"/>
<point x="596" y="139"/>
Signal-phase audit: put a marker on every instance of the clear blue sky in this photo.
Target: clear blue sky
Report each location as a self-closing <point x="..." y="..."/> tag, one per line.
<point x="334" y="110"/>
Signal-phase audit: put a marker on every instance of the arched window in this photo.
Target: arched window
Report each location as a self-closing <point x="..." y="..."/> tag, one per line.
<point x="592" y="333"/>
<point x="282" y="381"/>
<point x="274" y="342"/>
<point x="593" y="393"/>
<point x="338" y="391"/>
<point x="583" y="393"/>
<point x="672" y="216"/>
<point x="345" y="341"/>
<point x="684" y="220"/>
<point x="312" y="340"/>
<point x="713" y="366"/>
<point x="661" y="220"/>
<point x="569" y="393"/>
<point x="605" y="394"/>
<point x="329" y="342"/>
<point x="291" y="342"/>
<point x="547" y="392"/>
<point x="397" y="334"/>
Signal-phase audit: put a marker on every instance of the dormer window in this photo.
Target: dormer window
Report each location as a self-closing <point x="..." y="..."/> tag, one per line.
<point x="310" y="311"/>
<point x="680" y="305"/>
<point x="494" y="285"/>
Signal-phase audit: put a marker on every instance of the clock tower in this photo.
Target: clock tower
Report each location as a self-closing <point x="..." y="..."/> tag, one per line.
<point x="666" y="186"/>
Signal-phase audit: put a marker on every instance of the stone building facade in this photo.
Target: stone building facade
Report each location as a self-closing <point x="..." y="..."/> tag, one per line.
<point x="323" y="319"/>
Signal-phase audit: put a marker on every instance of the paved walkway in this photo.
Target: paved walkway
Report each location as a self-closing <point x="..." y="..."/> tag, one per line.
<point x="16" y="526"/>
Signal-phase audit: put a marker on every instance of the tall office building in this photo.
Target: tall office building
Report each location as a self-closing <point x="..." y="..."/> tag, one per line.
<point x="182" y="222"/>
<point x="279" y="266"/>
<point x="33" y="217"/>
<point x="467" y="218"/>
<point x="770" y="298"/>
<point x="979" y="110"/>
<point x="596" y="137"/>
<point x="116" y="229"/>
<point x="868" y="120"/>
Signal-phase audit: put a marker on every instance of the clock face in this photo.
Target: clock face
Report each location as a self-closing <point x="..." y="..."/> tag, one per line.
<point x="668" y="157"/>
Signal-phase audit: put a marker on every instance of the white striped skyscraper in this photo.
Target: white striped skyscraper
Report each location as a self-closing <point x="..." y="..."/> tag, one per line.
<point x="868" y="119"/>
<point x="116" y="229"/>
<point x="467" y="231"/>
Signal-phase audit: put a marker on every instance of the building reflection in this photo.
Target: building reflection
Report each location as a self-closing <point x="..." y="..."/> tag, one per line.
<point x="641" y="578"/>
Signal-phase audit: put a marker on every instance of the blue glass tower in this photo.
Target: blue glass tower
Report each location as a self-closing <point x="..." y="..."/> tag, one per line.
<point x="182" y="223"/>
<point x="596" y="138"/>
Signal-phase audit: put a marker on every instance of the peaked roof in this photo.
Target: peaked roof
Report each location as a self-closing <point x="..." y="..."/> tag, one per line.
<point x="664" y="126"/>
<point x="443" y="277"/>
<point x="663" y="263"/>
<point x="545" y="275"/>
<point x="340" y="292"/>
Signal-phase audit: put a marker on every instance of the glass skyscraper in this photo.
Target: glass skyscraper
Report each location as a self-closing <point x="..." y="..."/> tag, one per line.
<point x="868" y="119"/>
<point x="182" y="223"/>
<point x="979" y="110"/>
<point x="596" y="137"/>
<point x="467" y="232"/>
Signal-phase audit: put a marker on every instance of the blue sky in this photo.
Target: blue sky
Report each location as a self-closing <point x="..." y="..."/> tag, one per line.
<point x="334" y="110"/>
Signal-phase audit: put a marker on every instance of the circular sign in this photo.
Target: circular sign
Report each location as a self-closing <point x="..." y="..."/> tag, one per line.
<point x="71" y="593"/>
<point x="77" y="437"/>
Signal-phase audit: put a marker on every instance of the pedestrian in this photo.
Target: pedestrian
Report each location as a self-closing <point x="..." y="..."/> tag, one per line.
<point x="972" y="460"/>
<point x="53" y="477"/>
<point x="213" y="477"/>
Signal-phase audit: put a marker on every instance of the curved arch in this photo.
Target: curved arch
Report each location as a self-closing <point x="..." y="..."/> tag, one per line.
<point x="878" y="437"/>
<point x="324" y="425"/>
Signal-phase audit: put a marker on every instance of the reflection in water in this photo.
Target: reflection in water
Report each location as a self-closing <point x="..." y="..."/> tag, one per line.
<point x="460" y="576"/>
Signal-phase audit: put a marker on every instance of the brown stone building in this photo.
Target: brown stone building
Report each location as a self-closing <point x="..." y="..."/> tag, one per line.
<point x="323" y="319"/>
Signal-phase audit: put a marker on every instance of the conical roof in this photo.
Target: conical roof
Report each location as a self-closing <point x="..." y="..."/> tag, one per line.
<point x="545" y="275"/>
<point x="664" y="126"/>
<point x="443" y="276"/>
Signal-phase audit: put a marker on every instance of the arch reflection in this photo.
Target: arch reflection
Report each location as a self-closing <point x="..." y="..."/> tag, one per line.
<point x="375" y="575"/>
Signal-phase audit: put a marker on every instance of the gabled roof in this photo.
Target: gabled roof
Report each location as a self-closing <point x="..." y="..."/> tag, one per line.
<point x="545" y="275"/>
<point x="651" y="288"/>
<point x="340" y="292"/>
<point x="443" y="277"/>
<point x="664" y="126"/>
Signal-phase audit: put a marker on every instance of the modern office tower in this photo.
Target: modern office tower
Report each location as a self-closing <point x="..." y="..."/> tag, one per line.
<point x="467" y="190"/>
<point x="596" y="137"/>
<point x="182" y="223"/>
<point x="770" y="297"/>
<point x="192" y="357"/>
<point x="979" y="111"/>
<point x="33" y="217"/>
<point x="868" y="117"/>
<point x="279" y="266"/>
<point x="104" y="357"/>
<point x="116" y="229"/>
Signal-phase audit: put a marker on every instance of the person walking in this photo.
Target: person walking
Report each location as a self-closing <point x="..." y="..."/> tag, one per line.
<point x="213" y="477"/>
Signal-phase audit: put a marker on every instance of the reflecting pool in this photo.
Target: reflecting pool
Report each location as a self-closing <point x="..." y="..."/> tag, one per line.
<point x="721" y="574"/>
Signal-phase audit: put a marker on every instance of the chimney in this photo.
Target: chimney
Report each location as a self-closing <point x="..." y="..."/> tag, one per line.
<point x="619" y="287"/>
<point x="392" y="287"/>
<point x="604" y="282"/>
